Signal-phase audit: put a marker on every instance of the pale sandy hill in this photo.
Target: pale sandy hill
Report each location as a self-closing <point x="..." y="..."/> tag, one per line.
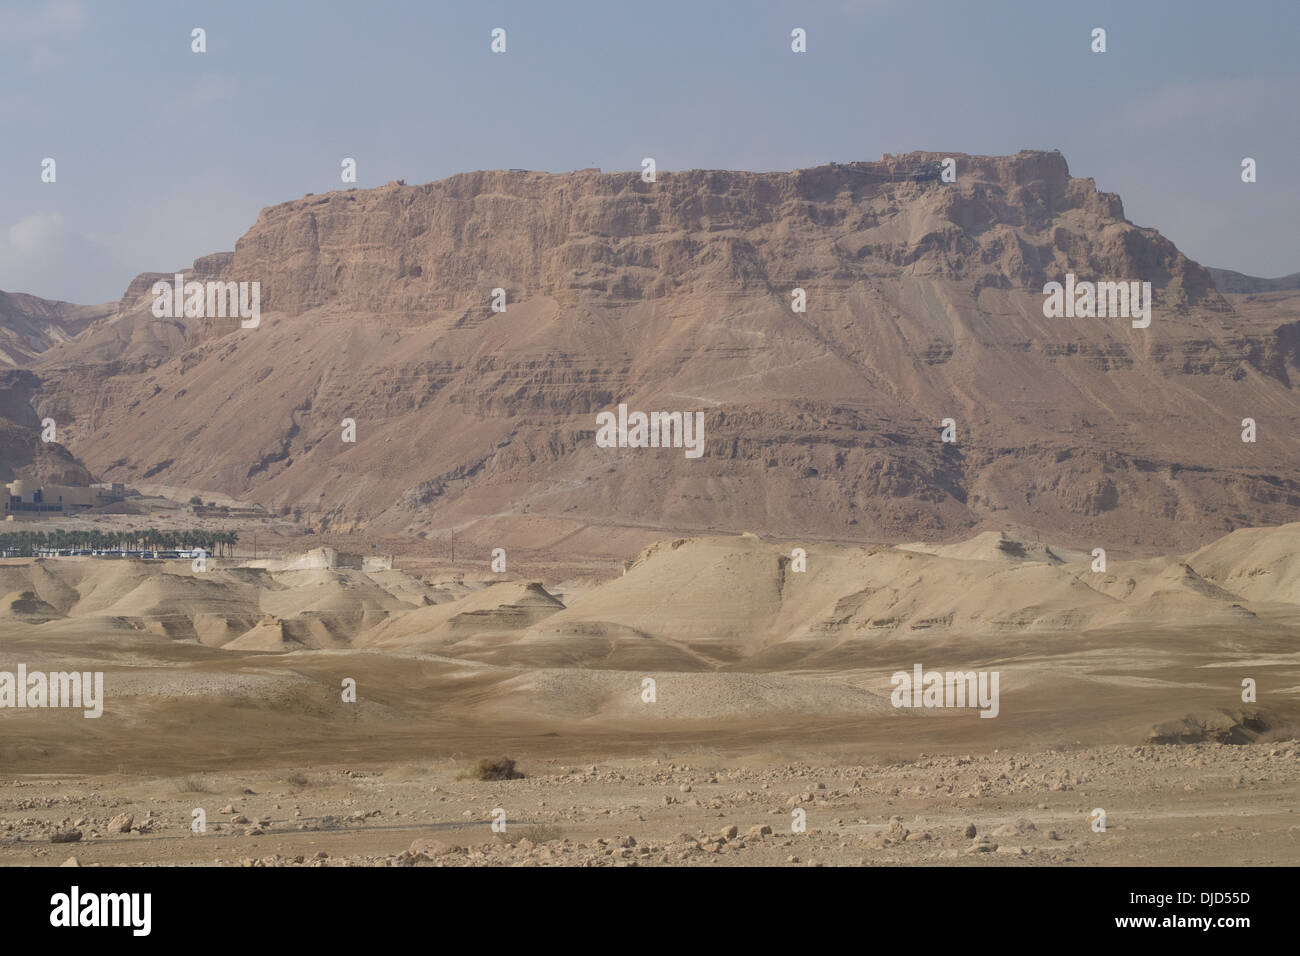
<point x="716" y="602"/>
<point x="1178" y="578"/>
<point x="597" y="644"/>
<point x="504" y="608"/>
<point x="410" y="589"/>
<point x="164" y="594"/>
<point x="1162" y="592"/>
<point x="717" y="597"/>
<point x="50" y="580"/>
<point x="219" y="629"/>
<point x="1260" y="564"/>
<point x="733" y="603"/>
<point x="27" y="606"/>
<point x="100" y="584"/>
<point x="616" y="695"/>
<point x="341" y="603"/>
<point x="967" y="596"/>
<point x="721" y="600"/>
<point x="266" y="635"/>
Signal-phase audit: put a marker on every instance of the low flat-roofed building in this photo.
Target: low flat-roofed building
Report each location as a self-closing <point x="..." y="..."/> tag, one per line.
<point x="30" y="499"/>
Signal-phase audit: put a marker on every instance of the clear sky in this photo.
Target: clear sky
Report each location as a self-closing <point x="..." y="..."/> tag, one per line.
<point x="164" y="155"/>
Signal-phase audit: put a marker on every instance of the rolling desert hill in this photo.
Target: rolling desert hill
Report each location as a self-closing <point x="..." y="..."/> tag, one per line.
<point x="744" y="651"/>
<point x="924" y="302"/>
<point x="699" y="604"/>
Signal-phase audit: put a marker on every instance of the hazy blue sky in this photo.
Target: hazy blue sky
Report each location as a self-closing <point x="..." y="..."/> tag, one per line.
<point x="164" y="155"/>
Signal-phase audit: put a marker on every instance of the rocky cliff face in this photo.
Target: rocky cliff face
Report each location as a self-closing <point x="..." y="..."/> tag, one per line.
<point x="1008" y="223"/>
<point x="924" y="302"/>
<point x="22" y="452"/>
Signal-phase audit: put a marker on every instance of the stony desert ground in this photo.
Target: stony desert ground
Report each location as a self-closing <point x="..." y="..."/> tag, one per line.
<point x="224" y="691"/>
<point x="1200" y="804"/>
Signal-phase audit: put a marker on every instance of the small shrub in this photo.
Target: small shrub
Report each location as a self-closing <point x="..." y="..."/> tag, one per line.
<point x="537" y="833"/>
<point x="502" y="768"/>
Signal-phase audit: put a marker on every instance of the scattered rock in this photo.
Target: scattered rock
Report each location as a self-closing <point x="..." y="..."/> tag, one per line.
<point x="426" y="848"/>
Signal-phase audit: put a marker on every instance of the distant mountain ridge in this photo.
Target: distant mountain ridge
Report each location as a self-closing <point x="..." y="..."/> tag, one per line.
<point x="29" y="325"/>
<point x="1225" y="280"/>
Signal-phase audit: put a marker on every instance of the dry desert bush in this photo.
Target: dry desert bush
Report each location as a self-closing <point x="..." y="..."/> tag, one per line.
<point x="500" y="768"/>
<point x="537" y="833"/>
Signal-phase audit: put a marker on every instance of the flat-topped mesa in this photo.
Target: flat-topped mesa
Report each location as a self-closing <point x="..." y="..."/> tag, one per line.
<point x="1011" y="222"/>
<point x="925" y="302"/>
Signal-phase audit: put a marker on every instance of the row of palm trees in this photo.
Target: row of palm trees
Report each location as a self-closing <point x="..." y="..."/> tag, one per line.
<point x="150" y="539"/>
